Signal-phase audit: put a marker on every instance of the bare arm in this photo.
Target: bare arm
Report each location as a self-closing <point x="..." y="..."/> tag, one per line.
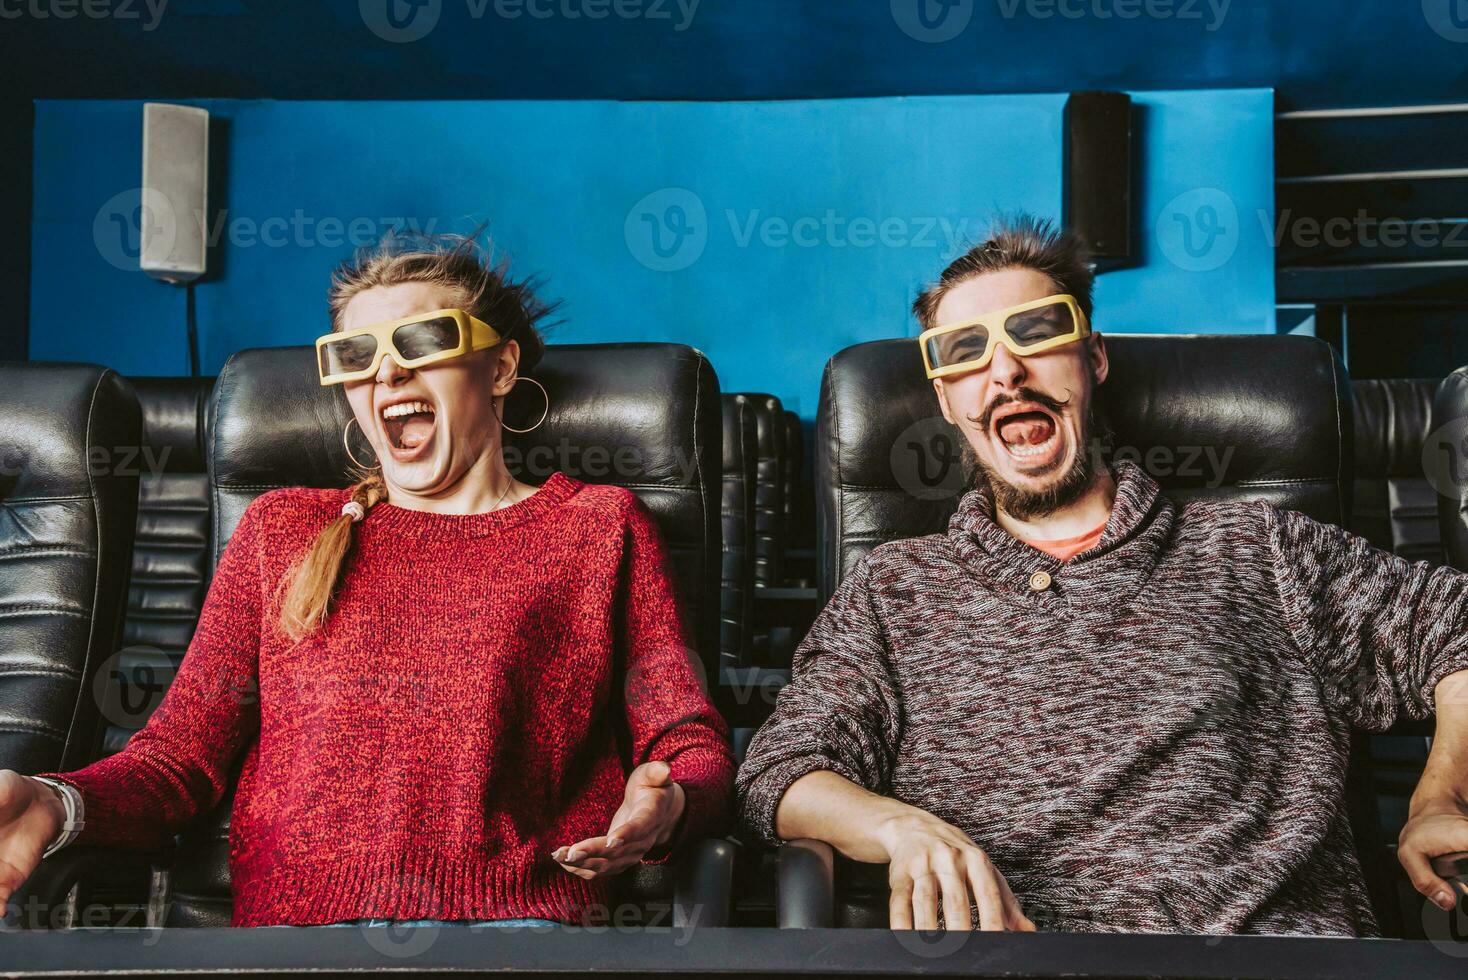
<point x="1437" y="821"/>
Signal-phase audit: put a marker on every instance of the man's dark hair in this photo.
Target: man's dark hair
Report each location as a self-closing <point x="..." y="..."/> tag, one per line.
<point x="1019" y="242"/>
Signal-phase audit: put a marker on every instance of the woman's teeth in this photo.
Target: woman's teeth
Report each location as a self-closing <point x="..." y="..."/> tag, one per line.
<point x="406" y="408"/>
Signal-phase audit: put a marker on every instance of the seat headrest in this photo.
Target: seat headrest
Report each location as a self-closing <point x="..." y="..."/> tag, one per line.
<point x="1391" y="423"/>
<point x="641" y="416"/>
<point x="174" y="413"/>
<point x="66" y="427"/>
<point x="1447" y="457"/>
<point x="1256" y="416"/>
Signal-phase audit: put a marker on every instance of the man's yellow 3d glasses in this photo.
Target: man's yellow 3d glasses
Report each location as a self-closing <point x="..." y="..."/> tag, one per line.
<point x="1027" y="329"/>
<point x="413" y="341"/>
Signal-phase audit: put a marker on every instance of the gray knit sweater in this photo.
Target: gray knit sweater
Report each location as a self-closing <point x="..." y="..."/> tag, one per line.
<point x="1158" y="741"/>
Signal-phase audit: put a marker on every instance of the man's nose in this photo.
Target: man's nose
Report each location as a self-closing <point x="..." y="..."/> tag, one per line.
<point x="1006" y="370"/>
<point x="390" y="372"/>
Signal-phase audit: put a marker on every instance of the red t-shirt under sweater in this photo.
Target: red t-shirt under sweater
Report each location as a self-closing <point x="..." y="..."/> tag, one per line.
<point x="482" y="687"/>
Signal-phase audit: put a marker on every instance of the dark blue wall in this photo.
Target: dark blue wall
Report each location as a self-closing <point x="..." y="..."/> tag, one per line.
<point x="769" y="235"/>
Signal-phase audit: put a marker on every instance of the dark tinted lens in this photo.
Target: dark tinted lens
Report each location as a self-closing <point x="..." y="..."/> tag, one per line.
<point x="958" y="346"/>
<point x="349" y="354"/>
<point x="1040" y="324"/>
<point x="428" y="337"/>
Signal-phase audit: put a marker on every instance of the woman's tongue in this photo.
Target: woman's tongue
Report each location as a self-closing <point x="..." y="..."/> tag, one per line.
<point x="416" y="430"/>
<point x="1026" y="429"/>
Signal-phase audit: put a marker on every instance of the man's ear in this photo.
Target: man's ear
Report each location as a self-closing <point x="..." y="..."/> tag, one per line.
<point x="506" y="367"/>
<point x="943" y="400"/>
<point x="1100" y="364"/>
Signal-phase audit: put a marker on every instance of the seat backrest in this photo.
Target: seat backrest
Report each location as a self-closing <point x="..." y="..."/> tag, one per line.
<point x="643" y="416"/>
<point x="736" y="593"/>
<point x="170" y="550"/>
<point x="1393" y="504"/>
<point x="68" y="502"/>
<point x="769" y="487"/>
<point x="1449" y="453"/>
<point x="1245" y="417"/>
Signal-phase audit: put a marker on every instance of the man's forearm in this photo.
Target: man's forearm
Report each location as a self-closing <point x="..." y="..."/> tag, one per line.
<point x="1444" y="782"/>
<point x="828" y="807"/>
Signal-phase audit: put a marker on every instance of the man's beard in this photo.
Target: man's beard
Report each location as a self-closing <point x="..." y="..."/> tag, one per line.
<point x="1026" y="505"/>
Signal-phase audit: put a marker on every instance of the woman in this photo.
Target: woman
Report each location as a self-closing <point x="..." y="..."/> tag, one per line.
<point x="434" y="676"/>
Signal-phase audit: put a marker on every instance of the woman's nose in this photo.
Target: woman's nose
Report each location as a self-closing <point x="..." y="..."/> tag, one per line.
<point x="390" y="372"/>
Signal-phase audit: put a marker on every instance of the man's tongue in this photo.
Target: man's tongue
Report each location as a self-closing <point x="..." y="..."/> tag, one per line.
<point x="1026" y="429"/>
<point x="416" y="430"/>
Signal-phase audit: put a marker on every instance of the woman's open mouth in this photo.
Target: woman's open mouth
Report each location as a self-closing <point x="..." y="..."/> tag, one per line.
<point x="1031" y="438"/>
<point x="409" y="426"/>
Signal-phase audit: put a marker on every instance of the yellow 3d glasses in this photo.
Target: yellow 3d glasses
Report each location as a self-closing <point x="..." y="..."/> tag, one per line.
<point x="1030" y="328"/>
<point x="414" y="341"/>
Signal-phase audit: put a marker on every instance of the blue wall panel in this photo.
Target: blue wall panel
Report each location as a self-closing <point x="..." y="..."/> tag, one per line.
<point x="769" y="235"/>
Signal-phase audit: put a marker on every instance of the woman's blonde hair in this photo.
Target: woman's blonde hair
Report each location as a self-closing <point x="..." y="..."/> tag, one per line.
<point x="481" y="286"/>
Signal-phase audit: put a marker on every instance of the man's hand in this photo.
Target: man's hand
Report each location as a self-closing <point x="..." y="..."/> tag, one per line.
<point x="1437" y="830"/>
<point x="933" y="864"/>
<point x="651" y="808"/>
<point x="31" y="815"/>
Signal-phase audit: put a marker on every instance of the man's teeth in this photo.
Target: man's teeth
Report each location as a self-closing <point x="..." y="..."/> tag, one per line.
<point x="1024" y="451"/>
<point x="406" y="408"/>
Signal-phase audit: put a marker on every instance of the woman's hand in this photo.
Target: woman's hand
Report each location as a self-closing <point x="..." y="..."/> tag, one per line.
<point x="933" y="864"/>
<point x="31" y="815"/>
<point x="651" y="808"/>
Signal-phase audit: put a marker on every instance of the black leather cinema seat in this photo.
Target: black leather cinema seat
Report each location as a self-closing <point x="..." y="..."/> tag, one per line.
<point x="170" y="551"/>
<point x="1450" y="456"/>
<point x="68" y="500"/>
<point x="1393" y="505"/>
<point x="1243" y="417"/>
<point x="736" y="594"/>
<point x="769" y="493"/>
<point x="643" y="416"/>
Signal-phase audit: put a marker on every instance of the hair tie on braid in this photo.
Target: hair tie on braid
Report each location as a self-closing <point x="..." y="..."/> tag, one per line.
<point x="353" y="510"/>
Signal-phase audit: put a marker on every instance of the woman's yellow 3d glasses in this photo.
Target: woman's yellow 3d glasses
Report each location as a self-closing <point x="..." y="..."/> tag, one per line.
<point x="413" y="341"/>
<point x="1027" y="329"/>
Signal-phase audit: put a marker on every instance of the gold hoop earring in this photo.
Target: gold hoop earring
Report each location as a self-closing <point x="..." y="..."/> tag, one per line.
<point x="347" y="445"/>
<point x="543" y="415"/>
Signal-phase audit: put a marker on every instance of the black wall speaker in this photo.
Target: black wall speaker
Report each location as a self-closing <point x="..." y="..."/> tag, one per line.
<point x="1099" y="197"/>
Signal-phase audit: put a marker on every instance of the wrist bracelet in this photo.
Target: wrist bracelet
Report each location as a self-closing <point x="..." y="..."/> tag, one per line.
<point x="72" y="824"/>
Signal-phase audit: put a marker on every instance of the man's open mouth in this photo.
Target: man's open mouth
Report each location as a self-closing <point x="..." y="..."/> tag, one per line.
<point x="1031" y="436"/>
<point x="408" y="424"/>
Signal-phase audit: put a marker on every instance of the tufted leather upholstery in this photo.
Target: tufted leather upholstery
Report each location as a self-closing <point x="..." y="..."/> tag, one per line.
<point x="643" y="416"/>
<point x="1394" y="507"/>
<point x="887" y="463"/>
<point x="769" y="492"/>
<point x="1450" y="428"/>
<point x="736" y="594"/>
<point x="170" y="550"/>
<point x="68" y="500"/>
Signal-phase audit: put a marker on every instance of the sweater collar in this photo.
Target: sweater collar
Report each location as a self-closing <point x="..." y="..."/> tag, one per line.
<point x="389" y="518"/>
<point x="1139" y="527"/>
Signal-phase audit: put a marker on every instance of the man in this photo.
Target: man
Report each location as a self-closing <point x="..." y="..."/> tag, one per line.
<point x="1085" y="707"/>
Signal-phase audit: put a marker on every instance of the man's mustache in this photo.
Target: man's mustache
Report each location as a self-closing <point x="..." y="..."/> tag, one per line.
<point x="1034" y="395"/>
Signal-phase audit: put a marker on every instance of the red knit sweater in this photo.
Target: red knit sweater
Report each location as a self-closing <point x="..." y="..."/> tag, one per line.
<point x="482" y="687"/>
